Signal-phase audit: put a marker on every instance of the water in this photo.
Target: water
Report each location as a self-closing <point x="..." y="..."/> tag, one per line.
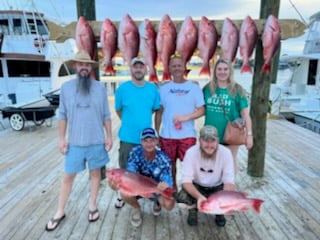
<point x="245" y="79"/>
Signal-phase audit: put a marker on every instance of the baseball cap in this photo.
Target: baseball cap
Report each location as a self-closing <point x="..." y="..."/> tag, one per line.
<point x="137" y="60"/>
<point x="209" y="132"/>
<point x="148" y="133"/>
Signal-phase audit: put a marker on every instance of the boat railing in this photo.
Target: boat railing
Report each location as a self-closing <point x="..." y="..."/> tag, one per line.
<point x="33" y="29"/>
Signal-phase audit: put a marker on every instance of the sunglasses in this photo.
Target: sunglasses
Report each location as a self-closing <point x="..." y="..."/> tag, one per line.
<point x="208" y="171"/>
<point x="175" y="55"/>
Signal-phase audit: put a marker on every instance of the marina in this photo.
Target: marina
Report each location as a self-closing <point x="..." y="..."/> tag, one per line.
<point x="33" y="67"/>
<point x="299" y="98"/>
<point x="31" y="169"/>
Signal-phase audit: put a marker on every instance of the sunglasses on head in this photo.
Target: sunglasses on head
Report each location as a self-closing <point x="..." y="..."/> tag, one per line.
<point x="223" y="61"/>
<point x="175" y="55"/>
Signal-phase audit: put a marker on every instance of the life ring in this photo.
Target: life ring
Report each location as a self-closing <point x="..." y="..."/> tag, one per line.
<point x="39" y="42"/>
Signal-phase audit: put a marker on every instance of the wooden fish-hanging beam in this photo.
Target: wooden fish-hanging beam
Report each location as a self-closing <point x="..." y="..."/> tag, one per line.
<point x="290" y="28"/>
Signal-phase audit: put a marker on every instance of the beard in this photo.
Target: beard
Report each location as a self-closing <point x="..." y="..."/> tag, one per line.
<point x="207" y="156"/>
<point x="138" y="76"/>
<point x="83" y="84"/>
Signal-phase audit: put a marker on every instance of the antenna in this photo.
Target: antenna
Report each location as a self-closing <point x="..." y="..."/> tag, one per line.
<point x="298" y="12"/>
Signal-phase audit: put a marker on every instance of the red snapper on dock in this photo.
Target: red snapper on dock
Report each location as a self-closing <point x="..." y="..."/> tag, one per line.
<point x="228" y="202"/>
<point x="135" y="184"/>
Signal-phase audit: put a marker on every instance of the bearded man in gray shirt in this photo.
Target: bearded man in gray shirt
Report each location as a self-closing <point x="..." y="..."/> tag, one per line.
<point x="84" y="117"/>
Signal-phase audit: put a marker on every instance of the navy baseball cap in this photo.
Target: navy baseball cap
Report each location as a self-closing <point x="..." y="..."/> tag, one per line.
<point x="148" y="133"/>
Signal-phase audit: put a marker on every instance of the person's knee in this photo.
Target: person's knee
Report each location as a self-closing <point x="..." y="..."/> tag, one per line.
<point x="69" y="178"/>
<point x="168" y="204"/>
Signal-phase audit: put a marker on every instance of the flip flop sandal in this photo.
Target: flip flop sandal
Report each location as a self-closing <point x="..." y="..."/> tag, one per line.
<point x="91" y="214"/>
<point x="119" y="203"/>
<point x="55" y="221"/>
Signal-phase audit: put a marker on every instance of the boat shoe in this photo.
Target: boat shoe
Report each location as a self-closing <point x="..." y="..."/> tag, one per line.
<point x="156" y="208"/>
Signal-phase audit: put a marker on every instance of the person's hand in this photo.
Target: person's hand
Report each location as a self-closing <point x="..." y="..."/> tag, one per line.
<point x="108" y="143"/>
<point x="162" y="186"/>
<point x="249" y="142"/>
<point x="113" y="185"/>
<point x="200" y="200"/>
<point x="63" y="146"/>
<point x="178" y="119"/>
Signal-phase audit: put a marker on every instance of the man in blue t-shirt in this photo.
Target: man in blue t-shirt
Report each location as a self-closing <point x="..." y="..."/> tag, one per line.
<point x="135" y="102"/>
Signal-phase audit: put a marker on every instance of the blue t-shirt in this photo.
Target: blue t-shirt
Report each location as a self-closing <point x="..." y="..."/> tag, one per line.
<point x="158" y="169"/>
<point x="136" y="104"/>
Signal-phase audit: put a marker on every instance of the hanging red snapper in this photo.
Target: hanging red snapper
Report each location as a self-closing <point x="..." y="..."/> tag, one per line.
<point x="229" y="40"/>
<point x="135" y="184"/>
<point x="247" y="42"/>
<point x="270" y="41"/>
<point x="207" y="44"/>
<point x="128" y="39"/>
<point x="187" y="39"/>
<point x="85" y="39"/>
<point x="108" y="40"/>
<point x="228" y="202"/>
<point x="148" y="47"/>
<point x="166" y="44"/>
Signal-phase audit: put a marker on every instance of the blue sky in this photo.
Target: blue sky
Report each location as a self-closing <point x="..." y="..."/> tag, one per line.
<point x="64" y="11"/>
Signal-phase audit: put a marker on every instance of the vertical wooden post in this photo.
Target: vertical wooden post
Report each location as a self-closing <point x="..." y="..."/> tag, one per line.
<point x="86" y="8"/>
<point x="260" y="97"/>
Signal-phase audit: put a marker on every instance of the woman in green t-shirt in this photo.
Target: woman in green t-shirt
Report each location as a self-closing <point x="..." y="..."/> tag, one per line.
<point x="226" y="100"/>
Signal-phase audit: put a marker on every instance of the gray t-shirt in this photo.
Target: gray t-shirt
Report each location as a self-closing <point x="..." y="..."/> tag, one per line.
<point x="85" y="115"/>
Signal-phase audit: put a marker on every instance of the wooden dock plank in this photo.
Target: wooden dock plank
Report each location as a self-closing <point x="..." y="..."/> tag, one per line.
<point x="31" y="169"/>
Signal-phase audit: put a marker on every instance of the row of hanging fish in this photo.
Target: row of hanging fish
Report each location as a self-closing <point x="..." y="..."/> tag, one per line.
<point x="156" y="47"/>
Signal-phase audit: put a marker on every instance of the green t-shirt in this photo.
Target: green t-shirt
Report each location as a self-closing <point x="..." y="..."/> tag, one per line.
<point x="214" y="111"/>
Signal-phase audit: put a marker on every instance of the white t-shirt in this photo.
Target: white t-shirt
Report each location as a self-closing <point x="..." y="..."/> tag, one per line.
<point x="221" y="170"/>
<point x="179" y="99"/>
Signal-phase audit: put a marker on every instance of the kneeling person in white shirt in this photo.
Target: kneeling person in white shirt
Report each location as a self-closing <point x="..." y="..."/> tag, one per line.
<point x="207" y="168"/>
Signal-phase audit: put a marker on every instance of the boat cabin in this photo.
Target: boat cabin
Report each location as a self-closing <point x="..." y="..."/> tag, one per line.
<point x="27" y="68"/>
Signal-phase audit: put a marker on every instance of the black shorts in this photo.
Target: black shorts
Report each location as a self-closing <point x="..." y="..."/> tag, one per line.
<point x="184" y="197"/>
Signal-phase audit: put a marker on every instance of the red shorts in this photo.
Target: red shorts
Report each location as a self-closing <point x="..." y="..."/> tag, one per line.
<point x="176" y="148"/>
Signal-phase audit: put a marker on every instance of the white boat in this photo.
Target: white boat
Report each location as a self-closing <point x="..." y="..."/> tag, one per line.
<point x="299" y="98"/>
<point x="31" y="64"/>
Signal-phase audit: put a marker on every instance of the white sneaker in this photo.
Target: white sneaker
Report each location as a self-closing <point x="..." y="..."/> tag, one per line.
<point x="156" y="208"/>
<point x="136" y="217"/>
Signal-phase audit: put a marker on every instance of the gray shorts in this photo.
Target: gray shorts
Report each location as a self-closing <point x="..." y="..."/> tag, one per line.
<point x="124" y="151"/>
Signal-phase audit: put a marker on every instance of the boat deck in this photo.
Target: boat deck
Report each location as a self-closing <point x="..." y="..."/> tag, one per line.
<point x="31" y="170"/>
